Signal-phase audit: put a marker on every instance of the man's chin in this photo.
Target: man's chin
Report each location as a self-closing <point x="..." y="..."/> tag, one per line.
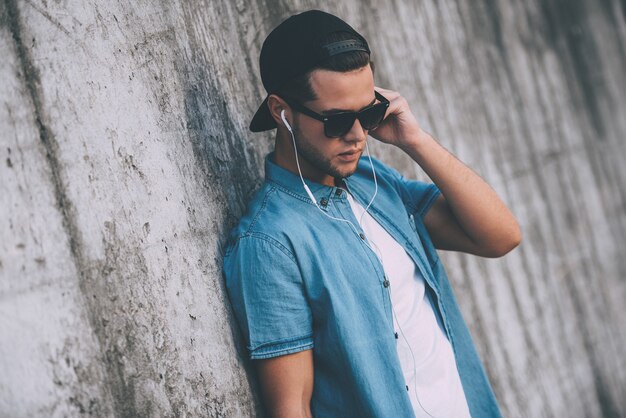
<point x="342" y="172"/>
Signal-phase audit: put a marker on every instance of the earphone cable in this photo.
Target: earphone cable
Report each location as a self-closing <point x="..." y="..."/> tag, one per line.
<point x="376" y="253"/>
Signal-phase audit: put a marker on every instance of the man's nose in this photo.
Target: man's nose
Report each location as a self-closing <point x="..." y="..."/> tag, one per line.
<point x="356" y="133"/>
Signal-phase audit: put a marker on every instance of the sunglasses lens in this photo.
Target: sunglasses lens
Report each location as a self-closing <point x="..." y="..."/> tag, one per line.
<point x="371" y="117"/>
<point x="339" y="124"/>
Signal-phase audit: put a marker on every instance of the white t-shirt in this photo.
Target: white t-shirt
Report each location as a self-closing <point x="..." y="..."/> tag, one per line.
<point x="435" y="382"/>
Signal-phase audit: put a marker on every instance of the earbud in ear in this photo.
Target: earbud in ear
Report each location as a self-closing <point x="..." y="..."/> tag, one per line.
<point x="282" y="116"/>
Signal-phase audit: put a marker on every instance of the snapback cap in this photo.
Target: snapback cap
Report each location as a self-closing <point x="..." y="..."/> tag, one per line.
<point x="294" y="48"/>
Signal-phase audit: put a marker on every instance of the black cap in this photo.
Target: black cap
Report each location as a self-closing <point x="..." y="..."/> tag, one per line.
<point x="293" y="48"/>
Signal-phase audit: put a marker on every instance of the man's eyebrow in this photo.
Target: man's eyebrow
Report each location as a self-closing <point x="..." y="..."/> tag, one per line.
<point x="329" y="111"/>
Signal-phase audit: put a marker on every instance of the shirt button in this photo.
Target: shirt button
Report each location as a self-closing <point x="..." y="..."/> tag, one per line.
<point x="407" y="388"/>
<point x="324" y="202"/>
<point x="362" y="236"/>
<point x="396" y="334"/>
<point x="386" y="283"/>
<point x="338" y="192"/>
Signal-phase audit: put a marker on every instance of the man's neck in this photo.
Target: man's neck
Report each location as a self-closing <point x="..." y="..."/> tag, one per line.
<point x="284" y="157"/>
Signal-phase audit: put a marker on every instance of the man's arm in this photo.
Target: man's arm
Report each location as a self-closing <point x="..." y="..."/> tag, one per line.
<point x="468" y="216"/>
<point x="287" y="384"/>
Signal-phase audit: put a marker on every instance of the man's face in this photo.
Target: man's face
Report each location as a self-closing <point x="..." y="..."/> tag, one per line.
<point x="327" y="158"/>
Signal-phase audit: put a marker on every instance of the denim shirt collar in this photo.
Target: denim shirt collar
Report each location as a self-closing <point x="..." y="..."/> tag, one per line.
<point x="292" y="183"/>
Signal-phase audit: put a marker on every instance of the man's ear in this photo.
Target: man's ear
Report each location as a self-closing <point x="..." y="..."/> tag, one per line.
<point x="276" y="106"/>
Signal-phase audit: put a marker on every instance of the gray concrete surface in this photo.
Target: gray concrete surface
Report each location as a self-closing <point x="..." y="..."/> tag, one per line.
<point x="125" y="159"/>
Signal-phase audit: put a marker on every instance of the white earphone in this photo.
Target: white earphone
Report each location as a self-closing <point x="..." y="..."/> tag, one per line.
<point x="306" y="188"/>
<point x="282" y="116"/>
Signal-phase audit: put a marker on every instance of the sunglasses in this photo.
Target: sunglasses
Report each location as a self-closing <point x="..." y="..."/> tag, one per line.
<point x="339" y="124"/>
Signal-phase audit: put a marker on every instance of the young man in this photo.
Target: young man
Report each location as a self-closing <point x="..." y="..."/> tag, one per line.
<point x="332" y="273"/>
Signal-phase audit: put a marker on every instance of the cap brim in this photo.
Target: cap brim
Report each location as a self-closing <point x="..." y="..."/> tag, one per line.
<point x="262" y="120"/>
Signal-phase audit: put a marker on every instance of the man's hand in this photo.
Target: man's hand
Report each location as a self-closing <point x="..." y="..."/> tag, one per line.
<point x="287" y="384"/>
<point x="400" y="125"/>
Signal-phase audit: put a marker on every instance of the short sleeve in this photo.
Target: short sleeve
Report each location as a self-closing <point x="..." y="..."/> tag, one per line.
<point x="418" y="196"/>
<point x="267" y="294"/>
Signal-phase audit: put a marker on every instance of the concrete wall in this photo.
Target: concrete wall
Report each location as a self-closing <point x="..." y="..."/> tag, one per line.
<point x="125" y="159"/>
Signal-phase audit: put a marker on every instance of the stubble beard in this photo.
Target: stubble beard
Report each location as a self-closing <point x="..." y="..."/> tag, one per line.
<point x="316" y="159"/>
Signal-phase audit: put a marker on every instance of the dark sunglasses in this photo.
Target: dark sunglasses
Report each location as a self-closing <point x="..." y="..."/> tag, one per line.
<point x="339" y="124"/>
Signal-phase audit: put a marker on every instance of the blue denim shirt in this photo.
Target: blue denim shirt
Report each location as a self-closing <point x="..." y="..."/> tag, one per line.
<point x="298" y="280"/>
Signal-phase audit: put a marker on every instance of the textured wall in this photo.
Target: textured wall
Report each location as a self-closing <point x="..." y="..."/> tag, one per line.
<point x="125" y="159"/>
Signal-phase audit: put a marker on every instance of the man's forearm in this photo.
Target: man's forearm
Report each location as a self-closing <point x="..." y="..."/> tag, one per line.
<point x="482" y="215"/>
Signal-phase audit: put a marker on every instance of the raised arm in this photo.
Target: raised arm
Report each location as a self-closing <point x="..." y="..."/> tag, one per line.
<point x="468" y="216"/>
<point x="287" y="384"/>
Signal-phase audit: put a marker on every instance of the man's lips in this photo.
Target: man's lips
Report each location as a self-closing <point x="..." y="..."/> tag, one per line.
<point x="350" y="155"/>
<point x="351" y="152"/>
